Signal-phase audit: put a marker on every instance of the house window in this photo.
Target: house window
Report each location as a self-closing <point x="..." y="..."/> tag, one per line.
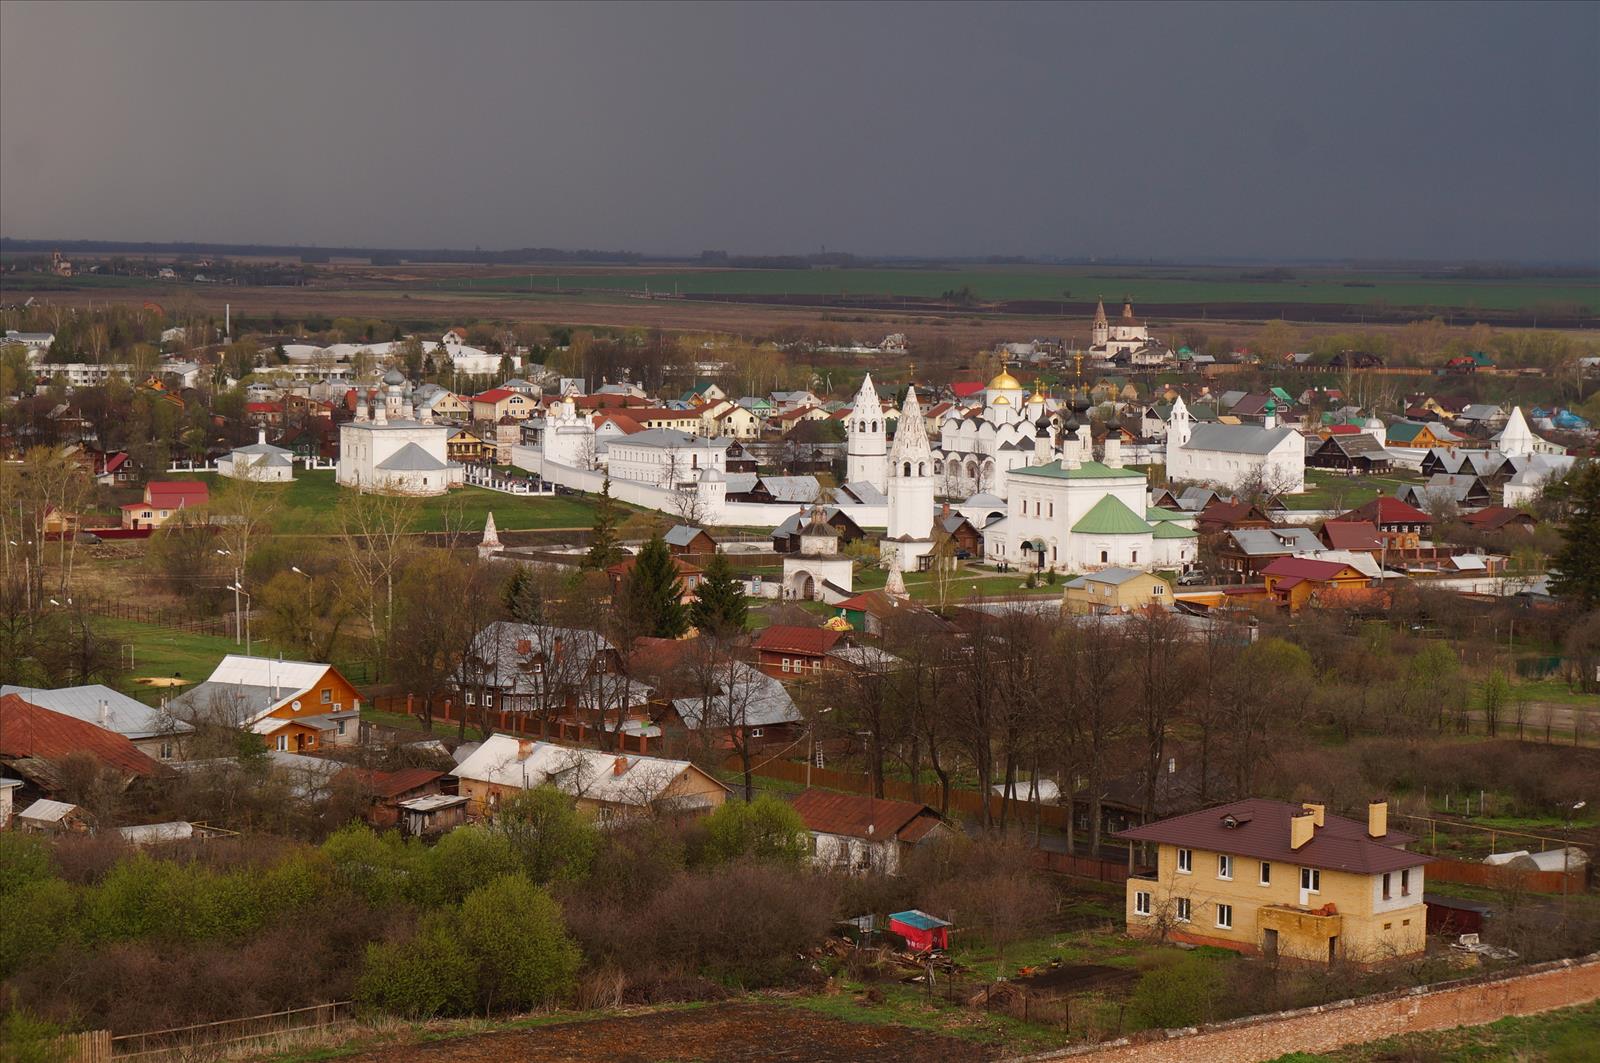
<point x="786" y="664"/>
<point x="472" y="699"/>
<point x="166" y="750"/>
<point x="1311" y="879"/>
<point x="488" y="700"/>
<point x="816" y="666"/>
<point x="283" y="743"/>
<point x="1266" y="873"/>
<point x="1141" y="903"/>
<point x="1104" y="557"/>
<point x="1136" y="557"/>
<point x="1405" y="882"/>
<point x="1158" y="589"/>
<point x="755" y="732"/>
<point x="1185" y="861"/>
<point x="1225" y="916"/>
<point x="327" y="697"/>
<point x="341" y="726"/>
<point x="1224" y="866"/>
<point x="1183" y="909"/>
<point x="1388" y="926"/>
<point x="1386" y="877"/>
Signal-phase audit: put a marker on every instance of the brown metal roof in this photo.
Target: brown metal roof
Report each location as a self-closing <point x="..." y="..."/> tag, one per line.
<point x="851" y="814"/>
<point x="790" y="638"/>
<point x="1262" y="832"/>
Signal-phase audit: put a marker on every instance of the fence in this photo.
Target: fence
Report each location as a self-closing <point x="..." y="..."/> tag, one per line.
<point x="1506" y="878"/>
<point x="155" y="1044"/>
<point x="147" y="614"/>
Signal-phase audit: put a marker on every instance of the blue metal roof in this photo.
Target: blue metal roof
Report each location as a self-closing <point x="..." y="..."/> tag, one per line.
<point x="919" y="919"/>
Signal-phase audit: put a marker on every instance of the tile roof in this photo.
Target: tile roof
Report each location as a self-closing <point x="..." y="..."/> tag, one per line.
<point x="860" y="816"/>
<point x="1261" y="831"/>
<point x="26" y="730"/>
<point x="1352" y="535"/>
<point x="788" y="638"/>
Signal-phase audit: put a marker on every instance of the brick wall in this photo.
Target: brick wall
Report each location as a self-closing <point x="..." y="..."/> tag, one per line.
<point x="1321" y="1029"/>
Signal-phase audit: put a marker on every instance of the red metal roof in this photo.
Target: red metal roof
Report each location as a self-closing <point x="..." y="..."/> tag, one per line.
<point x="965" y="389"/>
<point x="26" y="730"/>
<point x="786" y="638"/>
<point x="493" y="395"/>
<point x="1359" y="535"/>
<point x="860" y="816"/>
<point x="174" y="493"/>
<point x="1261" y="831"/>
<point x="1493" y="517"/>
<point x="1299" y="568"/>
<point x="390" y="784"/>
<point x="1387" y="509"/>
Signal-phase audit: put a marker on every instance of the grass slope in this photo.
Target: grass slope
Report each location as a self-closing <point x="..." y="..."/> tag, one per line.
<point x="1564" y="1036"/>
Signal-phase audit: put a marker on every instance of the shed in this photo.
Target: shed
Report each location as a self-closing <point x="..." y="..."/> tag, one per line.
<point x="1454" y="915"/>
<point x="921" y="930"/>
<point x="53" y="817"/>
<point x="432" y="814"/>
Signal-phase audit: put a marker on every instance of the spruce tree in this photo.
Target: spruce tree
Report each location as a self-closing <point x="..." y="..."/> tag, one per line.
<point x="718" y="607"/>
<point x="605" y="549"/>
<point x="523" y="597"/>
<point x="652" y="594"/>
<point x="1577" y="566"/>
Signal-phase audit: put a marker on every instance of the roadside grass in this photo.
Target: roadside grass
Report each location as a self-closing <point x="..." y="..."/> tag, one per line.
<point x="1567" y="1035"/>
<point x="309" y="506"/>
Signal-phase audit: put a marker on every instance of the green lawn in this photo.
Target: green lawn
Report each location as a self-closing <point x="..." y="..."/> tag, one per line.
<point x="309" y="507"/>
<point x="963" y="585"/>
<point x="165" y="652"/>
<point x="1564" y="1036"/>
<point x="1553" y="688"/>
<point x="1326" y="489"/>
<point x="1043" y="283"/>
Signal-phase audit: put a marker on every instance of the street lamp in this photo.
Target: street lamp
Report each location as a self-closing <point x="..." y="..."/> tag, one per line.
<point x="237" y="587"/>
<point x="237" y="590"/>
<point x="297" y="569"/>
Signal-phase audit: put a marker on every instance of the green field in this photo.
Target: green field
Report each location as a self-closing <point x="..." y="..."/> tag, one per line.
<point x="309" y="508"/>
<point x="1048" y="284"/>
<point x="1564" y="1036"/>
<point x="166" y="652"/>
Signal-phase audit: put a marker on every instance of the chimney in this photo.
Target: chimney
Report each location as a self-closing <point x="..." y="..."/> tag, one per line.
<point x="1377" y="818"/>
<point x="105" y="713"/>
<point x="524" y="647"/>
<point x="1317" y="810"/>
<point x="619" y="766"/>
<point x="1302" y="825"/>
<point x="557" y="654"/>
<point x="524" y="748"/>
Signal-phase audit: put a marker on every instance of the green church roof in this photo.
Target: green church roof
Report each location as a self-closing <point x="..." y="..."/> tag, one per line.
<point x="1111" y="516"/>
<point x="1168" y="530"/>
<point x="1089" y="470"/>
<point x="1156" y="513"/>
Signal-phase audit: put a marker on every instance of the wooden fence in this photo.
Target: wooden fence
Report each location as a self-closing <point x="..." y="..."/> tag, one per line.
<point x="1506" y="878"/>
<point x="147" y="614"/>
<point x="91" y="1046"/>
<point x="181" y="1040"/>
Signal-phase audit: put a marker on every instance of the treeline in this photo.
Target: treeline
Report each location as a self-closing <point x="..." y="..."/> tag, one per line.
<point x="10" y="245"/>
<point x="539" y="908"/>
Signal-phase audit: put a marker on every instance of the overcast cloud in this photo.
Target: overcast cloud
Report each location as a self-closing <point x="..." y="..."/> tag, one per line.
<point x="1149" y="130"/>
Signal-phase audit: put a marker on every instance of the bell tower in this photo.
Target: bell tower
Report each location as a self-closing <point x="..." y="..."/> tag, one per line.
<point x="866" y="455"/>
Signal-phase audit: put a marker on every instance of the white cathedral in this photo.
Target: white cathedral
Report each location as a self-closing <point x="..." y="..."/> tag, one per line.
<point x="979" y="447"/>
<point x="392" y="449"/>
<point x="1228" y="455"/>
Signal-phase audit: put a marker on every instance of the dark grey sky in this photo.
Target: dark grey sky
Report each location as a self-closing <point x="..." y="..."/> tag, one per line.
<point x="1428" y="130"/>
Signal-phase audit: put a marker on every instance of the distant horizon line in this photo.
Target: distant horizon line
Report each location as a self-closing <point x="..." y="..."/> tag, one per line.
<point x="724" y="259"/>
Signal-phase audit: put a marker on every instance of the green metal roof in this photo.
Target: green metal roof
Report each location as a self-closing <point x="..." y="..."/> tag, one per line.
<point x="1111" y="516"/>
<point x="1089" y="470"/>
<point x="1168" y="530"/>
<point x="1156" y="513"/>
<point x="1403" y="431"/>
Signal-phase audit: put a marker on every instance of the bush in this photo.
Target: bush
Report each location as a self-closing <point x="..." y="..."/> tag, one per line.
<point x="429" y="975"/>
<point x="742" y="924"/>
<point x="514" y="934"/>
<point x="549" y="837"/>
<point x="767" y="828"/>
<point x="24" y="858"/>
<point x="463" y="859"/>
<point x="377" y="868"/>
<point x="1187" y="991"/>
<point x="38" y="918"/>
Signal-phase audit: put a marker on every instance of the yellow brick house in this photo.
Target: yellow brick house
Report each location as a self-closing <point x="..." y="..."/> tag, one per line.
<point x="1278" y="879"/>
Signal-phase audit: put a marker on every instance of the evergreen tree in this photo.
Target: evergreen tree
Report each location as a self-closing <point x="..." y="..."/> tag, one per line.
<point x="1577" y="566"/>
<point x="523" y="597"/>
<point x="651" y="595"/>
<point x="604" y="547"/>
<point x="718" y="607"/>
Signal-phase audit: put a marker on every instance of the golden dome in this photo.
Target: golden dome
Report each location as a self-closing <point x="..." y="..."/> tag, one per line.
<point x="1001" y="400"/>
<point x="1004" y="380"/>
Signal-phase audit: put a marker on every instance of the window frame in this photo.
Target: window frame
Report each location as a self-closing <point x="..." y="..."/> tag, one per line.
<point x="1224" y="916"/>
<point x="1265" y="874"/>
<point x="1182" y="910"/>
<point x="1185" y="861"/>
<point x="1311" y="879"/>
<point x="1141" y="902"/>
<point x="1405" y="882"/>
<point x="1225" y="867"/>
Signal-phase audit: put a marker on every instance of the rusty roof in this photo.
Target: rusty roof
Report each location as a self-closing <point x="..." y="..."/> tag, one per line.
<point x="788" y="638"/>
<point x="26" y="730"/>
<point x="391" y="784"/>
<point x="860" y="816"/>
<point x="1261" y="831"/>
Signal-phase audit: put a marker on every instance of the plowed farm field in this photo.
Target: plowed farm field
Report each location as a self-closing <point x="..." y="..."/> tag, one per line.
<point x="724" y="1033"/>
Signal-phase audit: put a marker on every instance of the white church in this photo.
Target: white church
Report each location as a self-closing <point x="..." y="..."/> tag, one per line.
<point x="1228" y="455"/>
<point x="978" y="448"/>
<point x="387" y="448"/>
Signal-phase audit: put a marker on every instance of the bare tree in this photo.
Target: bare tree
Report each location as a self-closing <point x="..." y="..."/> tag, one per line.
<point x="374" y="538"/>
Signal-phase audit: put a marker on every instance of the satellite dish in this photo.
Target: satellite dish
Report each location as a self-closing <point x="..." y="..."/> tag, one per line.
<point x="295" y="704"/>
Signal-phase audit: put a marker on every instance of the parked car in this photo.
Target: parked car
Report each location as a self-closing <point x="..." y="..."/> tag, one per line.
<point x="1193" y="579"/>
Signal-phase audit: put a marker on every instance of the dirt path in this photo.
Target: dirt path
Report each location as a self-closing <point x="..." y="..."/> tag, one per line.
<point x="724" y="1033"/>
